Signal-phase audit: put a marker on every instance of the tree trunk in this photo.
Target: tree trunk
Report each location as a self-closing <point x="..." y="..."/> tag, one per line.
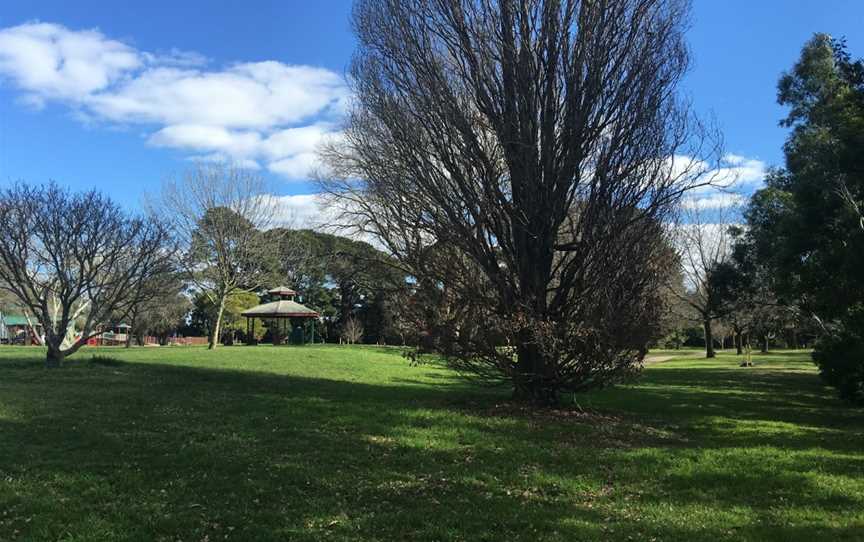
<point x="709" y="338"/>
<point x="129" y="331"/>
<point x="765" y="344"/>
<point x="739" y="347"/>
<point x="529" y="384"/>
<point x="534" y="380"/>
<point x="57" y="355"/>
<point x="54" y="358"/>
<point x="217" y="325"/>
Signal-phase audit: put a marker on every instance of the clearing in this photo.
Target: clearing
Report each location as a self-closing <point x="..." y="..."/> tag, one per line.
<point x="353" y="443"/>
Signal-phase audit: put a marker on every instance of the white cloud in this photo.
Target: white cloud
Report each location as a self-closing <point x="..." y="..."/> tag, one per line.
<point x="301" y="211"/>
<point x="296" y="140"/>
<point x="248" y="112"/>
<point x="296" y="166"/>
<point x="176" y="57"/>
<point x="289" y="152"/>
<point x="200" y="137"/>
<point x="51" y="62"/>
<point x="714" y="200"/>
<point x="742" y="172"/>
<point x="310" y="211"/>
<point x="731" y="183"/>
<point x="255" y="95"/>
<point x="217" y="158"/>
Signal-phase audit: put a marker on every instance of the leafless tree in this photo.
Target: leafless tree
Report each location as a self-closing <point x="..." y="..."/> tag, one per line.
<point x="352" y="331"/>
<point x="75" y="260"/>
<point x="218" y="213"/>
<point x="489" y="127"/>
<point x="704" y="243"/>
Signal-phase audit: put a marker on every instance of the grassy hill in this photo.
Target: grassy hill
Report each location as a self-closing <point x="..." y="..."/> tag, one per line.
<point x="353" y="443"/>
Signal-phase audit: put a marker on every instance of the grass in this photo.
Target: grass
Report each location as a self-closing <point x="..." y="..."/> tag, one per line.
<point x="352" y="443"/>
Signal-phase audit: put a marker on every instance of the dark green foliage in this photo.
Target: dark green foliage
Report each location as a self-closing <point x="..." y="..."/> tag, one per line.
<point x="807" y="225"/>
<point x="342" y="278"/>
<point x="745" y="288"/>
<point x="165" y="312"/>
<point x="840" y="358"/>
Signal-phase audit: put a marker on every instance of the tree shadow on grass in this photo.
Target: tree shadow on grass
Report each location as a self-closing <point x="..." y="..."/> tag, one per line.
<point x="732" y="400"/>
<point x="150" y="452"/>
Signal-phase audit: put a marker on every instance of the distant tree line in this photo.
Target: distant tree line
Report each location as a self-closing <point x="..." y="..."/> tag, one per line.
<point x="352" y="285"/>
<point x="723" y="296"/>
<point x="792" y="272"/>
<point x="804" y="236"/>
<point x="76" y="264"/>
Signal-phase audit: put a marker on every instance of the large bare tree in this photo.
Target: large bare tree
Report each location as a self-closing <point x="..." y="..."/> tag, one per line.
<point x="539" y="145"/>
<point x="218" y="213"/>
<point x="76" y="262"/>
<point x="704" y="245"/>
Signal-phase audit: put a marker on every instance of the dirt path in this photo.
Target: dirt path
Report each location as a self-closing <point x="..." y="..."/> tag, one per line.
<point x="651" y="359"/>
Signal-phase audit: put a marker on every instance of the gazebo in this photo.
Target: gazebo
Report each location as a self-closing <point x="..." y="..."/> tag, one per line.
<point x="284" y="308"/>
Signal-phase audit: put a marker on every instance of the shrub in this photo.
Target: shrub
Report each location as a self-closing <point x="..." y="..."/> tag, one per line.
<point x="840" y="358"/>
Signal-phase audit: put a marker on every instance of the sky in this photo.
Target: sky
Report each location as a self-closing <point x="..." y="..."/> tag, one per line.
<point x="121" y="94"/>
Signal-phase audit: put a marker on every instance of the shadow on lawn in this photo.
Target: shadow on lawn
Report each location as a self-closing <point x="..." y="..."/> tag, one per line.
<point x="142" y="452"/>
<point x="708" y="397"/>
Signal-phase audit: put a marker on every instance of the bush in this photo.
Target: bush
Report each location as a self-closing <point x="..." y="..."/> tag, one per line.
<point x="841" y="360"/>
<point x="675" y="339"/>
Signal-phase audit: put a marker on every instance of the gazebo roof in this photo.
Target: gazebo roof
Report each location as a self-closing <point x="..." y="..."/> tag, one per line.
<point x="282" y="290"/>
<point x="16" y="320"/>
<point x="280" y="309"/>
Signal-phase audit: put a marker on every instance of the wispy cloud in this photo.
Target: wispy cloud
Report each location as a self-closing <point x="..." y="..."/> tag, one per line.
<point x="265" y="113"/>
<point x="715" y="200"/>
<point x="731" y="183"/>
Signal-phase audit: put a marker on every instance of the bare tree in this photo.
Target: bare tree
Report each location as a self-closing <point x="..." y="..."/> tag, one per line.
<point x="352" y="331"/>
<point x="218" y="212"/>
<point x="704" y="243"/>
<point x="75" y="259"/>
<point x="489" y="127"/>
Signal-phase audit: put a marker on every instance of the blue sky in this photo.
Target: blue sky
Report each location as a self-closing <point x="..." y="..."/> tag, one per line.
<point x="143" y="86"/>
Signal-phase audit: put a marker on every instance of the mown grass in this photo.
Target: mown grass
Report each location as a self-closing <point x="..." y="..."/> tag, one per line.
<point x="353" y="443"/>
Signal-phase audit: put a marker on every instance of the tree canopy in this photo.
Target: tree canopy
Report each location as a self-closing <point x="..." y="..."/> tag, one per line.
<point x="488" y="130"/>
<point x="76" y="261"/>
<point x="807" y="223"/>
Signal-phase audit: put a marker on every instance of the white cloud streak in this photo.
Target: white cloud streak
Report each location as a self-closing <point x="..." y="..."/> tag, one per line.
<point x="266" y="113"/>
<point x="716" y="200"/>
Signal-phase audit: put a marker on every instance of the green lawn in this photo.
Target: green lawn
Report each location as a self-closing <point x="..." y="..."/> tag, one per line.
<point x="352" y="443"/>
